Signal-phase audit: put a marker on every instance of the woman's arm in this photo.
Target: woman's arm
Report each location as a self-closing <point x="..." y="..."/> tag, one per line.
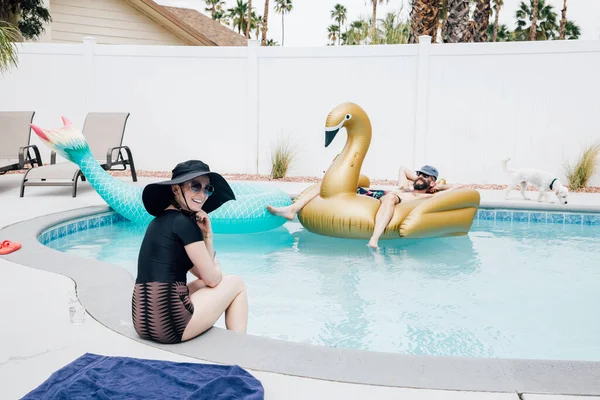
<point x="203" y="221"/>
<point x="208" y="241"/>
<point x="205" y="267"/>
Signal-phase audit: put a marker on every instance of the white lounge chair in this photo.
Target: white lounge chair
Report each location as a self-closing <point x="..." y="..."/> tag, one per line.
<point x="104" y="134"/>
<point x="15" y="133"/>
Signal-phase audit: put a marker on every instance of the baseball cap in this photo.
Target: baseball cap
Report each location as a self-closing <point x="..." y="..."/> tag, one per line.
<point x="429" y="170"/>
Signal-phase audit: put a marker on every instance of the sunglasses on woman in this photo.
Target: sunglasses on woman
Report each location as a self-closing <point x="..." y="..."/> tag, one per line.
<point x="196" y="187"/>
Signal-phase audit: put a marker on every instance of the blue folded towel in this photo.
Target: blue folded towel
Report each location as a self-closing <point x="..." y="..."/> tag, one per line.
<point x="92" y="376"/>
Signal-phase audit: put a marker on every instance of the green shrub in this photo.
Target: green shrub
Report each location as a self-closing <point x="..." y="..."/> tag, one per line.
<point x="281" y="158"/>
<point x="579" y="174"/>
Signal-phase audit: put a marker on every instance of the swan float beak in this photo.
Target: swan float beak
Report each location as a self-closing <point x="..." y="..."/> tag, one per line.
<point x="338" y="114"/>
<point x="330" y="134"/>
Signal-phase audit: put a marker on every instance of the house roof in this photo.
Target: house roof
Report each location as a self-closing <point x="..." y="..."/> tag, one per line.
<point x="214" y="30"/>
<point x="190" y="25"/>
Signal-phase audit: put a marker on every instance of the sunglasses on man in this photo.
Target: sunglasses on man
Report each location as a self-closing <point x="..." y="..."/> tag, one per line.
<point x="424" y="175"/>
<point x="196" y="187"/>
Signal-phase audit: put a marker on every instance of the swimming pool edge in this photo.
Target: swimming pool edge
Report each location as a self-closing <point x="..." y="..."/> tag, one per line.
<point x="105" y="291"/>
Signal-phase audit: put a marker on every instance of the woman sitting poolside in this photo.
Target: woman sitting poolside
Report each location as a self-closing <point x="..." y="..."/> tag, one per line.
<point x="165" y="308"/>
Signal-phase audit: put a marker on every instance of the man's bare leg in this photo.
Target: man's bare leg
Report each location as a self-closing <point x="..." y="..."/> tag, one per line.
<point x="383" y="218"/>
<point x="405" y="176"/>
<point x="289" y="212"/>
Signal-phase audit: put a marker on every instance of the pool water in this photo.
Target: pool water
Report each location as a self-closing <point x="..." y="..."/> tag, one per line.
<point x="508" y="289"/>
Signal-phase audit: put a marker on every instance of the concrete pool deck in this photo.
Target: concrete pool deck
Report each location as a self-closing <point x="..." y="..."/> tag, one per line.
<point x="42" y="340"/>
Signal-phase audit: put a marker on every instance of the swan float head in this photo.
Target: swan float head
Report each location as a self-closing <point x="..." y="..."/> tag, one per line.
<point x="345" y="115"/>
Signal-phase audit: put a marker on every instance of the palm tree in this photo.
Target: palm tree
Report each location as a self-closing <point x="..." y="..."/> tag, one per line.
<point x="572" y="31"/>
<point x="283" y="7"/>
<point x="8" y="48"/>
<point x="482" y="20"/>
<point x="534" y="13"/>
<point x="339" y="14"/>
<point x="503" y="34"/>
<point x="238" y="15"/>
<point x="265" y="24"/>
<point x="424" y="19"/>
<point x="221" y="17"/>
<point x="214" y="6"/>
<point x="257" y="23"/>
<point x="333" y="33"/>
<point x="374" y="18"/>
<point x="249" y="19"/>
<point x="357" y="33"/>
<point x="393" y="30"/>
<point x="458" y="26"/>
<point x="563" y="21"/>
<point x="546" y="26"/>
<point x="497" y="5"/>
<point x="443" y="15"/>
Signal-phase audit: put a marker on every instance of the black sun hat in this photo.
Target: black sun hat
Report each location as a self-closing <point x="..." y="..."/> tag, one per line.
<point x="157" y="196"/>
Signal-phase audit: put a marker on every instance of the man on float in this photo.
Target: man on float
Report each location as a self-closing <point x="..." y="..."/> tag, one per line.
<point x="424" y="184"/>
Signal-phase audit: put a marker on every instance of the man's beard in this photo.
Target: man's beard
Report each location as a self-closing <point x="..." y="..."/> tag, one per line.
<point x="420" y="184"/>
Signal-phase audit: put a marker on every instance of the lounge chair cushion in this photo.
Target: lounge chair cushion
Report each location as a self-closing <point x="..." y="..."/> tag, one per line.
<point x="64" y="170"/>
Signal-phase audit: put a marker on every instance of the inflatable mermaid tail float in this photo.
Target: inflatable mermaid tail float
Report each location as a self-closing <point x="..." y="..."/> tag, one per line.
<point x="247" y="214"/>
<point x="340" y="212"/>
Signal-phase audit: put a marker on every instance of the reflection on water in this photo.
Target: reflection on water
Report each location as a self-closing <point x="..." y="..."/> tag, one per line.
<point x="505" y="290"/>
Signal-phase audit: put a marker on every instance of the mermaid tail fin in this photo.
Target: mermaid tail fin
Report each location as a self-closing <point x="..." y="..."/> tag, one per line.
<point x="71" y="144"/>
<point x="68" y="141"/>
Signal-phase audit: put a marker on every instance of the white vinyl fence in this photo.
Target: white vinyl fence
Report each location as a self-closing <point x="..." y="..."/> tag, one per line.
<point x="460" y="107"/>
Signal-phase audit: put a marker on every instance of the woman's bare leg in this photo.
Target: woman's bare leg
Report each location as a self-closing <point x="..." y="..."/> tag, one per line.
<point x="196" y="284"/>
<point x="228" y="296"/>
<point x="289" y="212"/>
<point x="383" y="218"/>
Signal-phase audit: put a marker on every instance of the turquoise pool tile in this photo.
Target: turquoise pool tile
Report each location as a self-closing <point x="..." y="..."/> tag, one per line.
<point x="115" y="218"/>
<point x="537" y="217"/>
<point x="82" y="225"/>
<point x="502" y="215"/>
<point x="521" y="216"/>
<point x="487" y="214"/>
<point x="591" y="219"/>
<point x="573" y="218"/>
<point x="94" y="222"/>
<point x="62" y="231"/>
<point x="44" y="237"/>
<point x="105" y="220"/>
<point x="53" y="234"/>
<point x="556" y="218"/>
<point x="71" y="228"/>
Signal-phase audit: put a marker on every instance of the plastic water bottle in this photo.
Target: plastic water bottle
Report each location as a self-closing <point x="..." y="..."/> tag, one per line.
<point x="76" y="310"/>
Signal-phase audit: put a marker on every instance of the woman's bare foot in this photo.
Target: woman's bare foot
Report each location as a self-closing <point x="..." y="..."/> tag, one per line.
<point x="374" y="244"/>
<point x="285" y="212"/>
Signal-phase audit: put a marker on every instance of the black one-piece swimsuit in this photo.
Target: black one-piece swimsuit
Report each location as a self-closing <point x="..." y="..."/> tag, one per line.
<point x="161" y="305"/>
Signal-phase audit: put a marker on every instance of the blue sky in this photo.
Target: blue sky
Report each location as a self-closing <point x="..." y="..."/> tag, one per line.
<point x="307" y="24"/>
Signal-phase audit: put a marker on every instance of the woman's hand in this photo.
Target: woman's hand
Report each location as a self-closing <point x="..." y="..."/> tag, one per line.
<point x="203" y="221"/>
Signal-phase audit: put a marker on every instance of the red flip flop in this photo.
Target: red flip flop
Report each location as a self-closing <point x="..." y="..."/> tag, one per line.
<point x="7" y="247"/>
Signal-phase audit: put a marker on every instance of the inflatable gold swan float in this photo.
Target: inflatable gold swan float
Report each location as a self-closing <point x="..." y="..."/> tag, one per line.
<point x="340" y="212"/>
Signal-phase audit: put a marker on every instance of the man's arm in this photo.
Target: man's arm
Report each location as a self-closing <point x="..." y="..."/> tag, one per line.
<point x="405" y="176"/>
<point x="439" y="188"/>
